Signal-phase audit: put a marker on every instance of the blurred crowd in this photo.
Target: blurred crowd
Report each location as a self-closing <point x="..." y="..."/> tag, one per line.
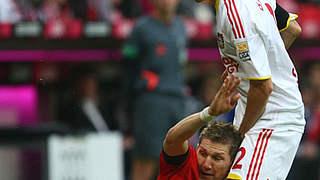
<point x="45" y="10"/>
<point x="88" y="10"/>
<point x="307" y="160"/>
<point x="114" y="11"/>
<point x="102" y="10"/>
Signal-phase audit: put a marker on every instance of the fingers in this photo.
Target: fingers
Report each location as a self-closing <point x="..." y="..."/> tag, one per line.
<point x="224" y="74"/>
<point x="225" y="84"/>
<point x="235" y="85"/>
<point x="228" y="81"/>
<point x="234" y="99"/>
<point x="231" y="81"/>
<point x="231" y="84"/>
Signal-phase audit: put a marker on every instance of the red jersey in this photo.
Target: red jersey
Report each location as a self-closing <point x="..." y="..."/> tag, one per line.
<point x="188" y="170"/>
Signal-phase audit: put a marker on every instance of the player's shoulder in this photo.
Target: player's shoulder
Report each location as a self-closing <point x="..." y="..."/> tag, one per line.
<point x="243" y="7"/>
<point x="143" y="21"/>
<point x="239" y="15"/>
<point x="237" y="9"/>
<point x="250" y="11"/>
<point x="180" y="22"/>
<point x="178" y="19"/>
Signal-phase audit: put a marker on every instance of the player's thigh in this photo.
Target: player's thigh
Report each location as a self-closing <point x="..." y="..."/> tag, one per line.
<point x="265" y="154"/>
<point x="152" y="119"/>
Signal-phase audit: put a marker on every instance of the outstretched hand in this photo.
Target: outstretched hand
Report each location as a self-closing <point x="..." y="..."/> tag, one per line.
<point x="226" y="97"/>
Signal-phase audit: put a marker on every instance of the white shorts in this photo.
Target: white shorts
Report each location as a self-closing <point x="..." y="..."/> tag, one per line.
<point x="265" y="154"/>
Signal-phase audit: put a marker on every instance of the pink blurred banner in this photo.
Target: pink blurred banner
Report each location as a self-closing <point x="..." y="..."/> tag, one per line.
<point x="18" y="105"/>
<point x="194" y="54"/>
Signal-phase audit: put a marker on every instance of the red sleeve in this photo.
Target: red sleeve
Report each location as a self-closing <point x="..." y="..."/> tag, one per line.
<point x="188" y="170"/>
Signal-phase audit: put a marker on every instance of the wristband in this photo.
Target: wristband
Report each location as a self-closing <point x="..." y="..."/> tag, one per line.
<point x="205" y="116"/>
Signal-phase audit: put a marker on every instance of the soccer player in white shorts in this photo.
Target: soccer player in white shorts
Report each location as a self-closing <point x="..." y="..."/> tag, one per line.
<point x="270" y="112"/>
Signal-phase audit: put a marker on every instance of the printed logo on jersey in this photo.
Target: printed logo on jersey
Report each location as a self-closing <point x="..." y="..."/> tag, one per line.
<point x="243" y="51"/>
<point x="294" y="73"/>
<point x="220" y="40"/>
<point x="231" y="64"/>
<point x="260" y="5"/>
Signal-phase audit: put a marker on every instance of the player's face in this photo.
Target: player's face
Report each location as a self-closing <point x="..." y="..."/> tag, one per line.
<point x="213" y="159"/>
<point x="166" y="6"/>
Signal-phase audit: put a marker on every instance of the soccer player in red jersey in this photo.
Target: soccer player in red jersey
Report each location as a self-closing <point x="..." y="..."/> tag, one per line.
<point x="218" y="143"/>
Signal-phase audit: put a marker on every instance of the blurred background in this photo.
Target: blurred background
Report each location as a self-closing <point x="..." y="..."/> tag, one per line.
<point x="54" y="53"/>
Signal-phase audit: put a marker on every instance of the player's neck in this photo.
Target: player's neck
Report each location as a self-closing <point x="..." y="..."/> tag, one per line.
<point x="209" y="2"/>
<point x="166" y="18"/>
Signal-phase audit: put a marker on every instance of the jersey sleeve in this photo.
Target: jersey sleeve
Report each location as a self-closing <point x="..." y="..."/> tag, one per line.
<point x="283" y="18"/>
<point x="175" y="160"/>
<point x="249" y="42"/>
<point x="132" y="45"/>
<point x="182" y="166"/>
<point x="131" y="55"/>
<point x="252" y="55"/>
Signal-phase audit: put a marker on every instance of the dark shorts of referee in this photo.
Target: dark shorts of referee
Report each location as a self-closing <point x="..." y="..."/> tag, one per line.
<point x="154" y="115"/>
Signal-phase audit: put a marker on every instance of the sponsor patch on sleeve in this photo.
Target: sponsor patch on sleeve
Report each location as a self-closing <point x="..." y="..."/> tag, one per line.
<point x="243" y="51"/>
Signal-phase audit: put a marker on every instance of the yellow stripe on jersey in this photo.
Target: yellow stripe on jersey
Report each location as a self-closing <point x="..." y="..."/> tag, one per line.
<point x="292" y="16"/>
<point x="233" y="177"/>
<point x="262" y="78"/>
<point x="217" y="5"/>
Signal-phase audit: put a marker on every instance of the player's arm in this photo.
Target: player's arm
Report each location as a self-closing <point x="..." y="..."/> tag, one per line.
<point x="260" y="90"/>
<point x="291" y="33"/>
<point x="258" y="95"/>
<point x="131" y="60"/>
<point x="252" y="53"/>
<point x="289" y="28"/>
<point x="176" y="141"/>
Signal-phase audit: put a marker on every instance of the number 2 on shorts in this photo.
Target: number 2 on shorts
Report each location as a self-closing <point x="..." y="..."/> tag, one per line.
<point x="237" y="164"/>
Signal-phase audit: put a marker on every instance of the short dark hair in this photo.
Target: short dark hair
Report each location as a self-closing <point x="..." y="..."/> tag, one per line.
<point x="223" y="133"/>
